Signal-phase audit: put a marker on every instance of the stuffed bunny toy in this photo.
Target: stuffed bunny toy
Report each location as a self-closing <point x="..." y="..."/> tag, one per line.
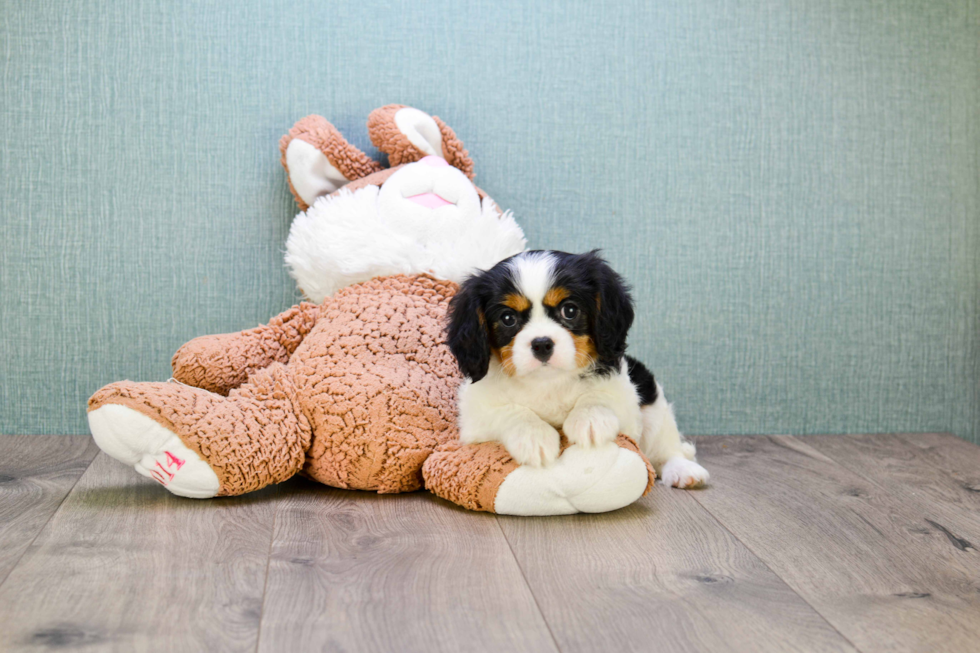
<point x="356" y="388"/>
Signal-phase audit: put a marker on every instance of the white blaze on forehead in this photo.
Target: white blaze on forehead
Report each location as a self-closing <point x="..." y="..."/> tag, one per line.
<point x="533" y="274"/>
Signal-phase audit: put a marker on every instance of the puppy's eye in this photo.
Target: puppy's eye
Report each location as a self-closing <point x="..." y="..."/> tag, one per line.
<point x="569" y="311"/>
<point x="508" y="319"/>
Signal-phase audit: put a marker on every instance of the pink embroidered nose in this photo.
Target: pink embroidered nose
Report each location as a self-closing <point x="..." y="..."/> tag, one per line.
<point x="434" y="161"/>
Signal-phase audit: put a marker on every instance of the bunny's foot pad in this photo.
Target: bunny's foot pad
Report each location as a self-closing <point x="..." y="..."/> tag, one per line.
<point x="131" y="437"/>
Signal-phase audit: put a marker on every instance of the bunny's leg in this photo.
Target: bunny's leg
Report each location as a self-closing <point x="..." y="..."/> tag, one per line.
<point x="221" y="363"/>
<point x="199" y="444"/>
<point x="485" y="477"/>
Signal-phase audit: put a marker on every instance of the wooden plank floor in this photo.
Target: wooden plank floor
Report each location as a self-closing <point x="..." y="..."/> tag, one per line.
<point x="822" y="543"/>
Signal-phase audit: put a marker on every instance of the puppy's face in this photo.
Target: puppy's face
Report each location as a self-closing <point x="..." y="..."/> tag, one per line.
<point x="539" y="315"/>
<point x="541" y="310"/>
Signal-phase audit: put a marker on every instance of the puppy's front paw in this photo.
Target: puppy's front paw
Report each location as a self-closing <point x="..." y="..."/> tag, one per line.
<point x="534" y="446"/>
<point x="592" y="426"/>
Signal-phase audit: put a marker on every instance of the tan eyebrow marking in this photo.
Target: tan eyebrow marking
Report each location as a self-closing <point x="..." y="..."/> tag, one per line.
<point x="517" y="302"/>
<point x="556" y="296"/>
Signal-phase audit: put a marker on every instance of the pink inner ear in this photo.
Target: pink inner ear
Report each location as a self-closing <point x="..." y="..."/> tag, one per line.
<point x="428" y="200"/>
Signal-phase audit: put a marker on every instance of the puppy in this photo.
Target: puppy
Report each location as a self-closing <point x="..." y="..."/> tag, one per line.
<point x="541" y="338"/>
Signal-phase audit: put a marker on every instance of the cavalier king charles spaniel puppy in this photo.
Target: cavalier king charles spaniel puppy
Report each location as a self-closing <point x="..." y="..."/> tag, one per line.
<point x="541" y="338"/>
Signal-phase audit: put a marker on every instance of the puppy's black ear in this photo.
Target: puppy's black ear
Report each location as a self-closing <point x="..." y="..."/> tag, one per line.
<point x="467" y="333"/>
<point x="614" y="312"/>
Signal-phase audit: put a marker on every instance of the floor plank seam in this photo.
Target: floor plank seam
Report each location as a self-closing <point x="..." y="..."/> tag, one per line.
<point x="268" y="564"/>
<point x="762" y="561"/>
<point x="48" y="520"/>
<point x="527" y="583"/>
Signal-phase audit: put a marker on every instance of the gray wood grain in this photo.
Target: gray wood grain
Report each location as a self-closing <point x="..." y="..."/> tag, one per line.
<point x="125" y="566"/>
<point x="354" y="571"/>
<point x="865" y="558"/>
<point x="799" y="544"/>
<point x="947" y="452"/>
<point x="36" y="473"/>
<point x="922" y="477"/>
<point x="661" y="574"/>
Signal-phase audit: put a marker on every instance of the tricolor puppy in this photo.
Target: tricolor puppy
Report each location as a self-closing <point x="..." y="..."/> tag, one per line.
<point x="541" y="338"/>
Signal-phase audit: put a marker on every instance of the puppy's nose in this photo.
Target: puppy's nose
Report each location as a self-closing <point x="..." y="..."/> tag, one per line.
<point x="543" y="348"/>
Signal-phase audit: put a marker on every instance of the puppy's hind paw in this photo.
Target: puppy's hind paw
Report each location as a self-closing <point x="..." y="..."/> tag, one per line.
<point x="682" y="473"/>
<point x="592" y="426"/>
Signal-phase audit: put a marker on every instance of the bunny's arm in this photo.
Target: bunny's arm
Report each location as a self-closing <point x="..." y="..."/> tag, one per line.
<point x="220" y="363"/>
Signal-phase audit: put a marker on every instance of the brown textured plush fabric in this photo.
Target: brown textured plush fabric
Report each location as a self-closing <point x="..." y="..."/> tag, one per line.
<point x="356" y="392"/>
<point x="378" y="383"/>
<point x="220" y="363"/>
<point x="470" y="475"/>
<point x="453" y="150"/>
<point x="386" y="137"/>
<point x="359" y="392"/>
<point x="373" y="179"/>
<point x="256" y="436"/>
<point x="361" y="169"/>
<point x="318" y="132"/>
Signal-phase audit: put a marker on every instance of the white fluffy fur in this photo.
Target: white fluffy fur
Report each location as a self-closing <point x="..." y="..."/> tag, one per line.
<point x="524" y="411"/>
<point x="670" y="454"/>
<point x="533" y="274"/>
<point x="352" y="237"/>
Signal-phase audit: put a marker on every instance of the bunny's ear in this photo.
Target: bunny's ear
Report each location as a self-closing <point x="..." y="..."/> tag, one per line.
<point x="406" y="134"/>
<point x="318" y="160"/>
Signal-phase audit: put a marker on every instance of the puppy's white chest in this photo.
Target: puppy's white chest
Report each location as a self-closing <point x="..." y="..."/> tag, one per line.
<point x="551" y="399"/>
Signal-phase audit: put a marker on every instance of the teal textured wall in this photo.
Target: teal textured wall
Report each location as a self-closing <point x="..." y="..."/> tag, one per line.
<point x="791" y="186"/>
